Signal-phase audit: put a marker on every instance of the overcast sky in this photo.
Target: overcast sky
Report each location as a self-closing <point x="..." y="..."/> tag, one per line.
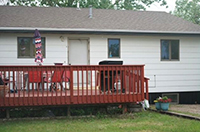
<point x="154" y="7"/>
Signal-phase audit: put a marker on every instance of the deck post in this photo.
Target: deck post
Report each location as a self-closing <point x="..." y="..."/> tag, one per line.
<point x="124" y="108"/>
<point x="68" y="111"/>
<point x="71" y="85"/>
<point x="7" y="113"/>
<point x="147" y="89"/>
<point x="142" y="80"/>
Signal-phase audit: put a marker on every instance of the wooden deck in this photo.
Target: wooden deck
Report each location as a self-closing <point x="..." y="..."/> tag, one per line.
<point x="67" y="100"/>
<point x="32" y="98"/>
<point x="100" y="80"/>
<point x="35" y="93"/>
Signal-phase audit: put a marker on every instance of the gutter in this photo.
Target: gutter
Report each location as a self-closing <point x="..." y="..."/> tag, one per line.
<point x="93" y="31"/>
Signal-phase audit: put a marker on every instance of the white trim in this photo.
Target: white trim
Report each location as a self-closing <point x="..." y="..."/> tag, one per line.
<point x="96" y="30"/>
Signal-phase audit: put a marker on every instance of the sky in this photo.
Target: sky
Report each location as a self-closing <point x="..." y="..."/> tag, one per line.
<point x="154" y="7"/>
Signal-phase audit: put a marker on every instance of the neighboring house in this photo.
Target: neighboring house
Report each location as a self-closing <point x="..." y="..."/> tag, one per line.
<point x="168" y="46"/>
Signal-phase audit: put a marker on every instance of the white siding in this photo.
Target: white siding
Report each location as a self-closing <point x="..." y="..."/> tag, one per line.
<point x="171" y="76"/>
<point x="56" y="50"/>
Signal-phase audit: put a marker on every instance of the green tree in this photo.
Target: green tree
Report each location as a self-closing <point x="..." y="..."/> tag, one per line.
<point x="188" y="10"/>
<point x="99" y="4"/>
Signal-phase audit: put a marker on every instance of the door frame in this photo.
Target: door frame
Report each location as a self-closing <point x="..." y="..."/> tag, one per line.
<point x="88" y="48"/>
<point x="88" y="54"/>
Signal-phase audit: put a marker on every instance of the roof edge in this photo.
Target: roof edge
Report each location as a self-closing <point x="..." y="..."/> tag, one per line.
<point x="81" y="30"/>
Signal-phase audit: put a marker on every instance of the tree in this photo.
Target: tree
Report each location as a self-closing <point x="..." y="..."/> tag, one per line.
<point x="3" y="2"/>
<point x="99" y="4"/>
<point x="188" y="10"/>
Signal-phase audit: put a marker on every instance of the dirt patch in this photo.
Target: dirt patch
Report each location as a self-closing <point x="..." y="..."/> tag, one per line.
<point x="194" y="109"/>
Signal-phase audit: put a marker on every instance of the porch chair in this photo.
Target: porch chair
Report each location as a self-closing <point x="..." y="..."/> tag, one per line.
<point x="5" y="81"/>
<point x="3" y="87"/>
<point x="59" y="77"/>
<point x="35" y="77"/>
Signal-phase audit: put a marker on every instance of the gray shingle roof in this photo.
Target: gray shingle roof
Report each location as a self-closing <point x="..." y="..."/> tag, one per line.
<point x="55" y="18"/>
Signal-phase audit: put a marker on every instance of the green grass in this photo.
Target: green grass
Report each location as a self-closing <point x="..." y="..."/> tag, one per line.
<point x="139" y="122"/>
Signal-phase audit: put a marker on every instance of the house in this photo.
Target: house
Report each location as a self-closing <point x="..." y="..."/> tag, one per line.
<point x="168" y="46"/>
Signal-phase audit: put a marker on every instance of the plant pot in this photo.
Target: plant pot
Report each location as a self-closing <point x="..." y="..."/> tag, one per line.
<point x="158" y="105"/>
<point x="165" y="106"/>
<point x="3" y="90"/>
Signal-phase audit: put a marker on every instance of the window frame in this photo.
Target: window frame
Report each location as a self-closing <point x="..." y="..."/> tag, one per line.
<point x="170" y="55"/>
<point x="119" y="47"/>
<point x="31" y="43"/>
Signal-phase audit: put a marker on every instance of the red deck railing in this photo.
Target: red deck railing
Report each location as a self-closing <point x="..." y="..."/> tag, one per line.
<point x="72" y="85"/>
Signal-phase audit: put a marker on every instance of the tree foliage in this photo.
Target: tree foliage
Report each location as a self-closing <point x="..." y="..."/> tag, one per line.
<point x="188" y="10"/>
<point x="99" y="4"/>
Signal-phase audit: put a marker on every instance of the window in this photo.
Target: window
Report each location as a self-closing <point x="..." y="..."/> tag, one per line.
<point x="26" y="47"/>
<point x="169" y="50"/>
<point x="113" y="48"/>
<point x="173" y="96"/>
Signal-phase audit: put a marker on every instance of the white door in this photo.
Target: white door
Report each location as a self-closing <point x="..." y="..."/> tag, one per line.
<point x="78" y="55"/>
<point x="78" y="52"/>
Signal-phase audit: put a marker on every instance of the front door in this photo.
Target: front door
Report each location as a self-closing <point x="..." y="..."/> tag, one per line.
<point x="78" y="55"/>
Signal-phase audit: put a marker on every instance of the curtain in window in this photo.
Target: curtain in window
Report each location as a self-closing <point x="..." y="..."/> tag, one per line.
<point x="113" y="45"/>
<point x="164" y="49"/>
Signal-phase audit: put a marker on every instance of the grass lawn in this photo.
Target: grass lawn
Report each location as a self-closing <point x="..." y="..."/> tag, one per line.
<point x="140" y="122"/>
